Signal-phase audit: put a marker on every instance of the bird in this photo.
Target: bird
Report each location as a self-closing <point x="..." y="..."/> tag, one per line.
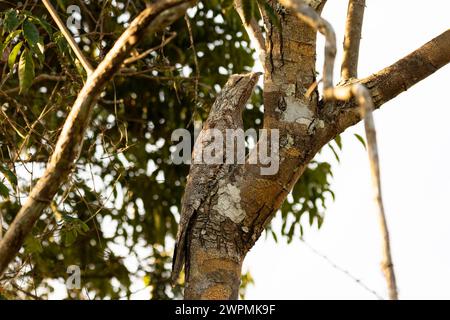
<point x="226" y="113"/>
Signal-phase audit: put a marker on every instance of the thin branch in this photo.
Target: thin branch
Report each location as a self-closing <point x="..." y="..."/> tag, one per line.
<point x="352" y="39"/>
<point x="29" y="294"/>
<point x="66" y="33"/>
<point x="254" y="32"/>
<point x="391" y="81"/>
<point x="194" y="51"/>
<point x="342" y="270"/>
<point x="151" y="20"/>
<point x="364" y="99"/>
<point x="38" y="79"/>
<point x="149" y="51"/>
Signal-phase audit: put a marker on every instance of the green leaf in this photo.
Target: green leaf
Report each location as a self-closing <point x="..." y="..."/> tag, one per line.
<point x="70" y="237"/>
<point x="338" y="141"/>
<point x="61" y="43"/>
<point x="82" y="227"/>
<point x="290" y="233"/>
<point x="11" y="21"/>
<point x="9" y="175"/>
<point x="336" y="155"/>
<point x="311" y="218"/>
<point x="361" y="139"/>
<point x="4" y="191"/>
<point x="26" y="71"/>
<point x="13" y="55"/>
<point x="68" y="218"/>
<point x="44" y="24"/>
<point x="11" y="36"/>
<point x="319" y="221"/>
<point x="274" y="235"/>
<point x="32" y="245"/>
<point x="31" y="33"/>
<point x="35" y="43"/>
<point x="38" y="50"/>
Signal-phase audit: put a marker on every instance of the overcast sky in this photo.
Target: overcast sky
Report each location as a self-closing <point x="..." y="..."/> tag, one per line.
<point x="414" y="143"/>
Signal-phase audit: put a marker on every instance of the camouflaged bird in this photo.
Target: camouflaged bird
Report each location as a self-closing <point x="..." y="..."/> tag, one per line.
<point x="226" y="113"/>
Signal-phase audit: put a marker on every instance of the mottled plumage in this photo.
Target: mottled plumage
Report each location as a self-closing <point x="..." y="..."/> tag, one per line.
<point x="226" y="113"/>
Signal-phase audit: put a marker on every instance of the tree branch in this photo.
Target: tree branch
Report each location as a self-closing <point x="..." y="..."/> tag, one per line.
<point x="364" y="99"/>
<point x="151" y="20"/>
<point x="144" y="54"/>
<point x="389" y="82"/>
<point x="352" y="39"/>
<point x="253" y="31"/>
<point x="40" y="78"/>
<point x="66" y="33"/>
<point x="315" y="21"/>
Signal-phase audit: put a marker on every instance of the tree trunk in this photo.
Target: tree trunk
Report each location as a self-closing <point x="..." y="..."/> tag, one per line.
<point x="234" y="211"/>
<point x="215" y="259"/>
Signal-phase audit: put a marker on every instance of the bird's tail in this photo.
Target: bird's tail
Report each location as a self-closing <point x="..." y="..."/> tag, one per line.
<point x="178" y="257"/>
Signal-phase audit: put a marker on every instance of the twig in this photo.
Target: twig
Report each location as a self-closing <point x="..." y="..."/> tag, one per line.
<point x="29" y="294"/>
<point x="364" y="99"/>
<point x="147" y="52"/>
<point x="66" y="33"/>
<point x="342" y="270"/>
<point x="352" y="39"/>
<point x="194" y="51"/>
<point x="38" y="79"/>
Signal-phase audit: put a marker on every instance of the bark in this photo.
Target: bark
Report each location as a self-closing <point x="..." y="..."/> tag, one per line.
<point x="154" y="18"/>
<point x="210" y="236"/>
<point x="352" y="38"/>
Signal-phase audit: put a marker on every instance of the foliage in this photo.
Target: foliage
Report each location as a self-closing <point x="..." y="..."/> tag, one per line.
<point x="117" y="216"/>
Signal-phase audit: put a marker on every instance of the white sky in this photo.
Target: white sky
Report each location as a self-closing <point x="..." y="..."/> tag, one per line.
<point x="413" y="134"/>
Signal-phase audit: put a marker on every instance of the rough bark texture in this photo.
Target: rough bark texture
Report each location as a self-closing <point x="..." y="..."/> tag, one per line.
<point x="225" y="207"/>
<point x="352" y="38"/>
<point x="69" y="144"/>
<point x="210" y="236"/>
